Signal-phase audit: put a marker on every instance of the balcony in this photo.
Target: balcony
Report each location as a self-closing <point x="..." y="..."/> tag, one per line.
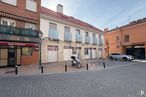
<point x="94" y="40"/>
<point x="53" y="34"/>
<point x="87" y="39"/>
<point x="67" y="36"/>
<point x="78" y="38"/>
<point x="9" y="30"/>
<point x="100" y="42"/>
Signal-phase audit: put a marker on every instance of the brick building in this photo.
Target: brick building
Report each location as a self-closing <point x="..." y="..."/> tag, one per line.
<point x="19" y="32"/>
<point x="128" y="39"/>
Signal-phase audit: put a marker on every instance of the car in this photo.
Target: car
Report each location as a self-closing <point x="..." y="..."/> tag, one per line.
<point x="118" y="56"/>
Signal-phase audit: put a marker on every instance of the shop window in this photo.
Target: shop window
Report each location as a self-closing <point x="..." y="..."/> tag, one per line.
<point x="27" y="51"/>
<point x="86" y="50"/>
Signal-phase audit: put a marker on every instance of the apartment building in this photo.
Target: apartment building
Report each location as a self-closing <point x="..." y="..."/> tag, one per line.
<point x="64" y="36"/>
<point x="19" y="32"/>
<point x="128" y="39"/>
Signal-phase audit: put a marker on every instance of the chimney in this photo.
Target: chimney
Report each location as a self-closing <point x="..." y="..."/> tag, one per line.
<point x="60" y="8"/>
<point x="106" y="30"/>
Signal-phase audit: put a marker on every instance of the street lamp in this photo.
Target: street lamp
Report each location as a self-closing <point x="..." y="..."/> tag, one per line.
<point x="40" y="46"/>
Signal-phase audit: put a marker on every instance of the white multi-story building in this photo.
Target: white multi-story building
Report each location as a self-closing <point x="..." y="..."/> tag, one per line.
<point x="65" y="36"/>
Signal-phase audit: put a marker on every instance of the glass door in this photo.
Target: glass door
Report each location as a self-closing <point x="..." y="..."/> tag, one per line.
<point x="11" y="57"/>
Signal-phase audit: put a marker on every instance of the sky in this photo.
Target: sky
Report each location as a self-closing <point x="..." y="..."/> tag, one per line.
<point x="101" y="13"/>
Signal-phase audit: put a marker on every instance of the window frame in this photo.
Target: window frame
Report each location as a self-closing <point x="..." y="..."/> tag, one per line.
<point x="67" y="28"/>
<point x="126" y="38"/>
<point x="78" y="32"/>
<point x="86" y="51"/>
<point x="33" y="10"/>
<point x="9" y="21"/>
<point x="26" y="54"/>
<point x="50" y="23"/>
<point x="10" y="3"/>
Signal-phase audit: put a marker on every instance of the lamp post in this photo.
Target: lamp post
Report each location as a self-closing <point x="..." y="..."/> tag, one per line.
<point x="40" y="46"/>
<point x="40" y="50"/>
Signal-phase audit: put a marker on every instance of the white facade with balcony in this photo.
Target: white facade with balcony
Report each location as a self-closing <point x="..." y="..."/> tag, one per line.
<point x="67" y="39"/>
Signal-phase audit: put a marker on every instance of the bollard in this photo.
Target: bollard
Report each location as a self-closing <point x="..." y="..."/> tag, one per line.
<point x="16" y="69"/>
<point x="65" y="68"/>
<point x="104" y="65"/>
<point x="87" y="66"/>
<point x="42" y="69"/>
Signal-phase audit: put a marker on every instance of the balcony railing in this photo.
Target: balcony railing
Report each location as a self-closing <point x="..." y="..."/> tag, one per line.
<point x="54" y="34"/>
<point x="101" y="42"/>
<point x="94" y="40"/>
<point x="67" y="36"/>
<point x="78" y="38"/>
<point x="18" y="31"/>
<point x="87" y="39"/>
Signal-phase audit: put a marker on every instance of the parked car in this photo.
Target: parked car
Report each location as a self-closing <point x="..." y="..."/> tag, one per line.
<point x="118" y="56"/>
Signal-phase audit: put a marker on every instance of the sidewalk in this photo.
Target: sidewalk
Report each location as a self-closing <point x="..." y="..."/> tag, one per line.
<point x="59" y="67"/>
<point x="50" y="68"/>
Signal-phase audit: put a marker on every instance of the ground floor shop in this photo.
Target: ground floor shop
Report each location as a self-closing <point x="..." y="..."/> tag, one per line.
<point x="17" y="53"/>
<point x="53" y="51"/>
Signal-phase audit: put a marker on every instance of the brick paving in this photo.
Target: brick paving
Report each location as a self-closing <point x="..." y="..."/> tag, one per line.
<point x="124" y="81"/>
<point x="59" y="67"/>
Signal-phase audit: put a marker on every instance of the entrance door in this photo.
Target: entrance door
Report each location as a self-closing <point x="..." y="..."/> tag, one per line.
<point x="11" y="57"/>
<point x="52" y="53"/>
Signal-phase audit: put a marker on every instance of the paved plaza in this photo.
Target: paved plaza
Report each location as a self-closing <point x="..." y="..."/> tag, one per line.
<point x="115" y="81"/>
<point x="59" y="67"/>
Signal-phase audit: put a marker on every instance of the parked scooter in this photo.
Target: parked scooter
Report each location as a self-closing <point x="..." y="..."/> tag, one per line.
<point x="76" y="62"/>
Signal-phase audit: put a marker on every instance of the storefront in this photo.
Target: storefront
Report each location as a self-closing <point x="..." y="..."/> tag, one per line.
<point x="15" y="53"/>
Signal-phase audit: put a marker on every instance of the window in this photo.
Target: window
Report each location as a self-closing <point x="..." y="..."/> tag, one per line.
<point x="8" y="22"/>
<point x="117" y="38"/>
<point x="78" y="32"/>
<point x="67" y="29"/>
<point x="99" y="36"/>
<point x="126" y="38"/>
<point x="31" y="5"/>
<point x="115" y="54"/>
<point x="12" y="2"/>
<point x="52" y="26"/>
<point x="4" y="22"/>
<point x="74" y="50"/>
<point x="118" y="46"/>
<point x="86" y="51"/>
<point x="94" y="36"/>
<point x="26" y="51"/>
<point x="30" y="26"/>
<point x="86" y="34"/>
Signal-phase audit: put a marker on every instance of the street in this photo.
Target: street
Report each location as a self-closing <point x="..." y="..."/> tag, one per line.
<point x="120" y="81"/>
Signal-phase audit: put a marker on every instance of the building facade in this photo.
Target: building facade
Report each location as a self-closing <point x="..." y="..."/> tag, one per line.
<point x="65" y="36"/>
<point x="128" y="39"/>
<point x="19" y="32"/>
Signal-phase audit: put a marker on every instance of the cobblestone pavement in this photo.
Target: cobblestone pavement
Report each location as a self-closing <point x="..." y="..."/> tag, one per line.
<point x="59" y="67"/>
<point x="122" y="81"/>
